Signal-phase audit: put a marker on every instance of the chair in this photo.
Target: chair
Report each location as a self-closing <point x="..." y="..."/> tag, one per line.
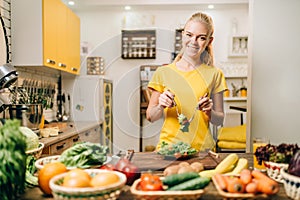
<point x="231" y="139"/>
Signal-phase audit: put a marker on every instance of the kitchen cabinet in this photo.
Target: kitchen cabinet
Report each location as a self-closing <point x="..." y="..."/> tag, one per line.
<point x="48" y="35"/>
<point x="238" y="46"/>
<point x="60" y="146"/>
<point x="91" y="135"/>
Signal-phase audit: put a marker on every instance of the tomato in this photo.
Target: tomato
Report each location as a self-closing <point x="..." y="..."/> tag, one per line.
<point x="129" y="169"/>
<point x="150" y="182"/>
<point x="110" y="167"/>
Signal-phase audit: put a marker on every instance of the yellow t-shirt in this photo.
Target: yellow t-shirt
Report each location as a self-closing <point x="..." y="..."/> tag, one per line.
<point x="188" y="87"/>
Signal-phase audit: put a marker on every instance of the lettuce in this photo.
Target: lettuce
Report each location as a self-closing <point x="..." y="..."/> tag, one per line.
<point x="32" y="140"/>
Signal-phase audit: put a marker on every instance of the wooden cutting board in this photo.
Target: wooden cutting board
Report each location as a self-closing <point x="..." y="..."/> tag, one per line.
<point x="152" y="161"/>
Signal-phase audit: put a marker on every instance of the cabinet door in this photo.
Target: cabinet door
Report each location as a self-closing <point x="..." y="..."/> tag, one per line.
<point x="73" y="42"/>
<point x="50" y="32"/>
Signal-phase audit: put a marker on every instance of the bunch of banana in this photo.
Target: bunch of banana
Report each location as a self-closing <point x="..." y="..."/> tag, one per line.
<point x="230" y="165"/>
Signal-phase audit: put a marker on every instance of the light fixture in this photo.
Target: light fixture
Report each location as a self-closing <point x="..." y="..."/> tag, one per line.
<point x="127" y="8"/>
<point x="71" y="3"/>
<point x="210" y="6"/>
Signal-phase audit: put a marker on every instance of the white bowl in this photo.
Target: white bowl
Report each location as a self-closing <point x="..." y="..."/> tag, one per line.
<point x="88" y="193"/>
<point x="291" y="184"/>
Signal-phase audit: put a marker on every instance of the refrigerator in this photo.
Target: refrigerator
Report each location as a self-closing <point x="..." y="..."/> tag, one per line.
<point x="92" y="101"/>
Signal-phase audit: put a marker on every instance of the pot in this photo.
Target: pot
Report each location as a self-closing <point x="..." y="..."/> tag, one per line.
<point x="29" y="114"/>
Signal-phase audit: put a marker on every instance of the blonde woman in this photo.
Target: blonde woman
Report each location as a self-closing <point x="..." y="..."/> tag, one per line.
<point x="189" y="91"/>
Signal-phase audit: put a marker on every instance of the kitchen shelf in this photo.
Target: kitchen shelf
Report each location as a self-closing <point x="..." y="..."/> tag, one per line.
<point x="238" y="46"/>
<point x="235" y="98"/>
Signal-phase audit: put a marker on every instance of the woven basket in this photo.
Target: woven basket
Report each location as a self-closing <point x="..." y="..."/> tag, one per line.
<point x="111" y="192"/>
<point x="291" y="184"/>
<point x="36" y="152"/>
<point x="163" y="195"/>
<point x="273" y="170"/>
<point x="39" y="164"/>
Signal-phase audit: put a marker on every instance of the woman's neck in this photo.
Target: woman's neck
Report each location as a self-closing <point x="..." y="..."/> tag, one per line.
<point x="185" y="64"/>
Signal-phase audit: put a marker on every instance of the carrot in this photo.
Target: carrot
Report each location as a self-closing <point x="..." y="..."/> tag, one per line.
<point x="245" y="176"/>
<point x="221" y="181"/>
<point x="251" y="187"/>
<point x="264" y="183"/>
<point x="235" y="185"/>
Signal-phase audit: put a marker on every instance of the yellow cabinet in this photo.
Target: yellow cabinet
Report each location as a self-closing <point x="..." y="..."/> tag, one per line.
<point x="48" y="35"/>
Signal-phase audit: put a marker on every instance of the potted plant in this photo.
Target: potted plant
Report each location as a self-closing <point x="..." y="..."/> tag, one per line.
<point x="275" y="157"/>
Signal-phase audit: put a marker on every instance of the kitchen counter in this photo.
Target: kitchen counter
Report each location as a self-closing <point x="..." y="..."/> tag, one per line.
<point x="210" y="191"/>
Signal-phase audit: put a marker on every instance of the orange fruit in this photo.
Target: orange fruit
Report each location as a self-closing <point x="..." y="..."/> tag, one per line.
<point x="77" y="178"/>
<point x="47" y="172"/>
<point x="104" y="179"/>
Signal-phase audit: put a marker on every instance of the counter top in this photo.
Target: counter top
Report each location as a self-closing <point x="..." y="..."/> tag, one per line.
<point x="72" y="129"/>
<point x="210" y="190"/>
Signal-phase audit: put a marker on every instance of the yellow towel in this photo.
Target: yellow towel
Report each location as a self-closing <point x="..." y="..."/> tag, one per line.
<point x="231" y="145"/>
<point x="234" y="134"/>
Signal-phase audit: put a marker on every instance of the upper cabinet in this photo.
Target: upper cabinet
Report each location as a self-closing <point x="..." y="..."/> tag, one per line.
<point x="238" y="46"/>
<point x="48" y="34"/>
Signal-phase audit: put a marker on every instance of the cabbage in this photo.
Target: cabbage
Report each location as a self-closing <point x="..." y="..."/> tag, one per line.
<point x="32" y="140"/>
<point x="294" y="165"/>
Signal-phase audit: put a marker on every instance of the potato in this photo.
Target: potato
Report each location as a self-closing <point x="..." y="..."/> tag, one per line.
<point x="197" y="166"/>
<point x="184" y="164"/>
<point x="171" y="170"/>
<point x="185" y="169"/>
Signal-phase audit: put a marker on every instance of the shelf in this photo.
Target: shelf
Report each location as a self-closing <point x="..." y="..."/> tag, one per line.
<point x="235" y="98"/>
<point x="238" y="46"/>
<point x="236" y="76"/>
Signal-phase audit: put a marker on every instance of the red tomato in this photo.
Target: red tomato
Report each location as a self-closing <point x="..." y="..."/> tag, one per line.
<point x="110" y="167"/>
<point x="150" y="182"/>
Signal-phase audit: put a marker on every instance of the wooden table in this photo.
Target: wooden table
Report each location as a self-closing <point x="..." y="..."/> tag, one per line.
<point x="210" y="191"/>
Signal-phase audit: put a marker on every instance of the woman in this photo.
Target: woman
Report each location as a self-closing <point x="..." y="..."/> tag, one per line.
<point x="189" y="91"/>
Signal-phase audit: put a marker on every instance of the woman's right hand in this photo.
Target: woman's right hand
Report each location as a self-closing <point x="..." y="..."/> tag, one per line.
<point x="166" y="99"/>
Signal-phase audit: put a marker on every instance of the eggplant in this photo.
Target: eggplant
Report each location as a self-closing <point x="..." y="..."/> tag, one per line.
<point x="294" y="165"/>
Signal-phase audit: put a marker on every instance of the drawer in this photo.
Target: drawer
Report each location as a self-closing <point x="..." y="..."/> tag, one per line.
<point x="91" y="135"/>
<point x="59" y="147"/>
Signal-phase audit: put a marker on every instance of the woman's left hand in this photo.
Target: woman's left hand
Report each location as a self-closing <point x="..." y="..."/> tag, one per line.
<point x="205" y="104"/>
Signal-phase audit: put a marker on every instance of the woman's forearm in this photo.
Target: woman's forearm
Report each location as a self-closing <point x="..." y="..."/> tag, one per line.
<point x="154" y="113"/>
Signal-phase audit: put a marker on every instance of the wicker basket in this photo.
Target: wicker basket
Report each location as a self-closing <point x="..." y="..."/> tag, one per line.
<point x="36" y="152"/>
<point x="39" y="164"/>
<point x="163" y="195"/>
<point x="111" y="192"/>
<point x="291" y="184"/>
<point x="273" y="170"/>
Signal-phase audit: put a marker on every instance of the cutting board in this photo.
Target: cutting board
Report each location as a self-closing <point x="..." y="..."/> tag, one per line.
<point x="152" y="161"/>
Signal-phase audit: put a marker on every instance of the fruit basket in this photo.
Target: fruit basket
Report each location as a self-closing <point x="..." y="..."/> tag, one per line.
<point x="36" y="152"/>
<point x="39" y="164"/>
<point x="110" y="192"/>
<point x="291" y="184"/>
<point x="273" y="170"/>
<point x="163" y="195"/>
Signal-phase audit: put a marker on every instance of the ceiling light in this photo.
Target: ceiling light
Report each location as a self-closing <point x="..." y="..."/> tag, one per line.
<point x="210" y="6"/>
<point x="71" y="3"/>
<point x="127" y="8"/>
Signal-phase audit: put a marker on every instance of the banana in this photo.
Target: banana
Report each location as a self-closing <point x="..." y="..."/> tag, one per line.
<point x="208" y="173"/>
<point x="225" y="165"/>
<point x="241" y="164"/>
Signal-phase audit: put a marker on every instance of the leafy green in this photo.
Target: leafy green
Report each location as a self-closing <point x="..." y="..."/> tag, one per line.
<point x="84" y="155"/>
<point x="32" y="139"/>
<point x="184" y="123"/>
<point x="172" y="149"/>
<point x="13" y="158"/>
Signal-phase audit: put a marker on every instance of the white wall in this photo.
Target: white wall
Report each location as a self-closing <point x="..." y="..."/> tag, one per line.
<point x="275" y="70"/>
<point x="101" y="29"/>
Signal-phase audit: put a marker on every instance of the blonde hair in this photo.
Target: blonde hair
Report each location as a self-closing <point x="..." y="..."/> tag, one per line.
<point x="206" y="56"/>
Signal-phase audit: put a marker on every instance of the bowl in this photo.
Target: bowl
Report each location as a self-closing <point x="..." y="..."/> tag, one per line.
<point x="291" y="184"/>
<point x="87" y="193"/>
<point x="36" y="152"/>
<point x="273" y="170"/>
<point x="39" y="164"/>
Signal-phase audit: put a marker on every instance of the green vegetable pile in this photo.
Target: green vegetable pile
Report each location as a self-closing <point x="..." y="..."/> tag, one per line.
<point x="13" y="160"/>
<point x="84" y="155"/>
<point x="179" y="148"/>
<point x="184" y="123"/>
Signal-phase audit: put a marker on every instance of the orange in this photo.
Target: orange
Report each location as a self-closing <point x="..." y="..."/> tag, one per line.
<point x="104" y="179"/>
<point x="47" y="172"/>
<point x="77" y="178"/>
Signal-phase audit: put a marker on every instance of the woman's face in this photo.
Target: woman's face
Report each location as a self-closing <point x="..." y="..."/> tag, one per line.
<point x="195" y="39"/>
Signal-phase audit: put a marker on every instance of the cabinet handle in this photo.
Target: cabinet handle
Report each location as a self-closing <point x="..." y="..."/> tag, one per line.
<point x="60" y="146"/>
<point x="52" y="62"/>
<point x="87" y="133"/>
<point x="62" y="65"/>
<point x="76" y="139"/>
<point x="74" y="69"/>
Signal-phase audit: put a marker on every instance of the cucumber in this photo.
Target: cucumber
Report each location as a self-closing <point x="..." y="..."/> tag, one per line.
<point x="192" y="184"/>
<point x="175" y="179"/>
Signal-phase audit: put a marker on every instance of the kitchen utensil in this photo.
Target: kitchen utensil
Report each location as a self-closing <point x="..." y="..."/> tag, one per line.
<point x="65" y="117"/>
